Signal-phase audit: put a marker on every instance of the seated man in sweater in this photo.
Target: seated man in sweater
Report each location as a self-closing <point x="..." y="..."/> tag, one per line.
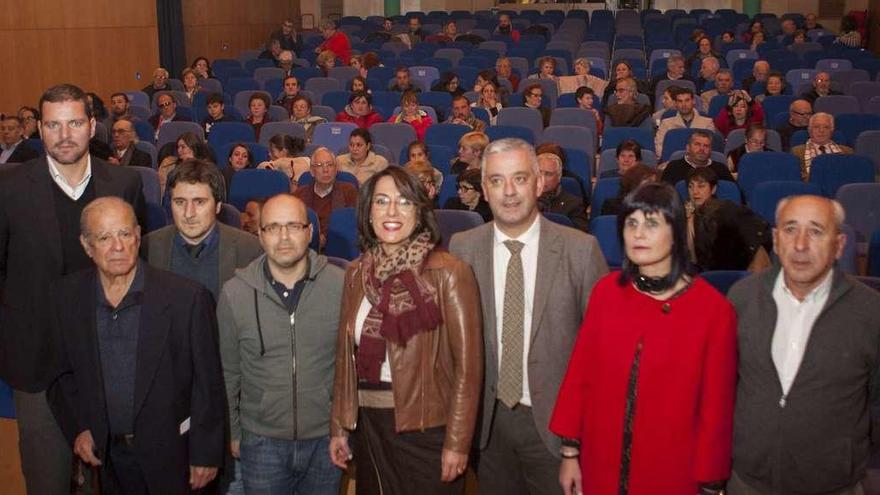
<point x="820" y="142"/>
<point x="697" y="154"/>
<point x="326" y="193"/>
<point x="197" y="246"/>
<point x="685" y="117"/>
<point x="555" y="199"/>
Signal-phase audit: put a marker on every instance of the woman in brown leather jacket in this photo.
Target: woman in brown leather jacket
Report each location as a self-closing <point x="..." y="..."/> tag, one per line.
<point x="409" y="362"/>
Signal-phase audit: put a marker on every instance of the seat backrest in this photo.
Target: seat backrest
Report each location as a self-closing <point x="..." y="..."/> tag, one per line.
<point x="862" y="205"/>
<point x="604" y="189"/>
<point x="830" y="172"/>
<point x="271" y="129"/>
<point x="394" y="136"/>
<point x="768" y="194"/>
<point x="604" y="227"/>
<point x="333" y="135"/>
<point x="613" y="136"/>
<point x="868" y="144"/>
<point x="837" y="104"/>
<point x="853" y="124"/>
<point x="445" y="135"/>
<point x="763" y="166"/>
<point x="253" y="183"/>
<point x="504" y="131"/>
<point x="569" y="136"/>
<point x="342" y="237"/>
<point x="527" y="118"/>
<point x="170" y="131"/>
<point x="454" y="221"/>
<point x="230" y="132"/>
<point x="723" y="280"/>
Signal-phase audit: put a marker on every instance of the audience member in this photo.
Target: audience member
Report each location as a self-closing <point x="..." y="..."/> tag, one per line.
<point x="583" y="78"/>
<point x="190" y="84"/>
<point x="202" y="66"/>
<point x="448" y="83"/>
<point x="470" y="195"/>
<point x="359" y="111"/>
<point x="709" y="68"/>
<point x="429" y="177"/>
<point x="216" y="109"/>
<point x="821" y="87"/>
<point x="273" y="51"/>
<point x="402" y="83"/>
<point x="820" y="142"/>
<point x="555" y="199"/>
<point x="462" y="115"/>
<point x="546" y="69"/>
<point x="585" y="98"/>
<point x="258" y="104"/>
<point x="29" y="117"/>
<point x="470" y="152"/>
<point x="290" y="39"/>
<point x="533" y="95"/>
<point x="697" y="154"/>
<point x="756" y="140"/>
<point x="335" y="41"/>
<point x="290" y="90"/>
<point x="325" y="61"/>
<point x="623" y="71"/>
<point x="686" y="117"/>
<point x="125" y="153"/>
<point x="634" y="176"/>
<point x="675" y="71"/>
<point x="627" y="111"/>
<point x="153" y="338"/>
<point x="284" y="151"/>
<point x="489" y="101"/>
<point x="250" y="216"/>
<point x="13" y="148"/>
<point x="120" y="107"/>
<point x="283" y="449"/>
<point x="167" y="112"/>
<point x="805" y="409"/>
<point x="504" y="69"/>
<point x="159" y="83"/>
<point x="704" y="51"/>
<point x="849" y="34"/>
<point x="628" y="154"/>
<point x="739" y="112"/>
<point x="505" y="28"/>
<point x="411" y="114"/>
<point x="302" y="115"/>
<point x="359" y="83"/>
<point x="326" y="193"/>
<point x="810" y="22"/>
<point x="541" y="314"/>
<point x="755" y="27"/>
<point x="760" y="73"/>
<point x="239" y="159"/>
<point x="775" y="86"/>
<point x="799" y="113"/>
<point x="360" y="160"/>
<point x="285" y="63"/>
<point x="59" y="185"/>
<point x="188" y="145"/>
<point x="723" y="87"/>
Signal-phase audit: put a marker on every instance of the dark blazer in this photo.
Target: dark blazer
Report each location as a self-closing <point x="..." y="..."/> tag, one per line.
<point x="154" y="120"/>
<point x="820" y="442"/>
<point x="30" y="261"/>
<point x="22" y="153"/>
<point x="134" y="157"/>
<point x="569" y="265"/>
<point x="178" y="376"/>
<point x="237" y="249"/>
<point x="567" y="204"/>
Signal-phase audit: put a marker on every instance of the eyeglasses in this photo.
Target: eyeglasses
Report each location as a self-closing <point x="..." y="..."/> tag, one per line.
<point x="118" y="132"/>
<point x="466" y="187"/>
<point x="323" y="165"/>
<point x="404" y="205"/>
<point x="105" y="239"/>
<point x="165" y="105"/>
<point x="291" y="227"/>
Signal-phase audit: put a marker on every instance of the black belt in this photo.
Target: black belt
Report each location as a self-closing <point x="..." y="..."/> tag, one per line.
<point x="126" y="439"/>
<point x="364" y="385"/>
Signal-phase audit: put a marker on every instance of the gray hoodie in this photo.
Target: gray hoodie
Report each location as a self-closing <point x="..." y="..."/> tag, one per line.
<point x="285" y="392"/>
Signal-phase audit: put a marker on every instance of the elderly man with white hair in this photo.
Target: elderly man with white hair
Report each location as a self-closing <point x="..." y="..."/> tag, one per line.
<point x="820" y="142"/>
<point x="760" y="72"/>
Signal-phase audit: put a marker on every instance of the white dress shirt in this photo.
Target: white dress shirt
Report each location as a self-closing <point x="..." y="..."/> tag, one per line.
<point x="363" y="311"/>
<point x="73" y="191"/>
<point x="529" y="256"/>
<point x="794" y="323"/>
<point x="7" y="150"/>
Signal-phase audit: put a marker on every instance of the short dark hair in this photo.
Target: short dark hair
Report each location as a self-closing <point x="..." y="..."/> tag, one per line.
<point x="675" y="90"/>
<point x="583" y="90"/>
<point x="401" y="68"/>
<point x="701" y="133"/>
<point x="703" y="174"/>
<point x="411" y="189"/>
<point x="250" y="162"/>
<point x="302" y="97"/>
<point x="196" y="171"/>
<point x="214" y="98"/>
<point x="629" y="145"/>
<point x="363" y="134"/>
<point x="531" y="87"/>
<point x="360" y="94"/>
<point x="123" y="95"/>
<point x="461" y="97"/>
<point x="293" y="145"/>
<point x="262" y="97"/>
<point x="66" y="92"/>
<point x="196" y="143"/>
<point x="11" y="117"/>
<point x="656" y="197"/>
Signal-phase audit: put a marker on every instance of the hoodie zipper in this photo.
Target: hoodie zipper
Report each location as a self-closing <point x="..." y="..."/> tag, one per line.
<point x="293" y="358"/>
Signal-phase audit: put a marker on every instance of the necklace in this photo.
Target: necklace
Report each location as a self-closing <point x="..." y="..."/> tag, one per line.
<point x="652" y="285"/>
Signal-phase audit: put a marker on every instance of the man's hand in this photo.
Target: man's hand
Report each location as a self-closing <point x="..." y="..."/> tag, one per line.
<point x="235" y="448"/>
<point x="200" y="476"/>
<point x="340" y="454"/>
<point x="570" y="477"/>
<point x="84" y="447"/>
<point x="452" y="465"/>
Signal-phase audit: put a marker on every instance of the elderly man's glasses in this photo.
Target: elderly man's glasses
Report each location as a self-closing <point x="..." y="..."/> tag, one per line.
<point x="291" y="227"/>
<point x="323" y="165"/>
<point x="165" y="104"/>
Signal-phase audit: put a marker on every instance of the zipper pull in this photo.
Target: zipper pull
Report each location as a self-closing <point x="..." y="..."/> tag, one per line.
<point x="292" y="318"/>
<point x="782" y="401"/>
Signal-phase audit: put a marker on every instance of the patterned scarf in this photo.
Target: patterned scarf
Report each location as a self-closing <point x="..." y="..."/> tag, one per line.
<point x="403" y="303"/>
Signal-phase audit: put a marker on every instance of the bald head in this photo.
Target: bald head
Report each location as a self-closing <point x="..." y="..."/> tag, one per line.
<point x="104" y="207"/>
<point x="284" y="202"/>
<point x="799" y="113"/>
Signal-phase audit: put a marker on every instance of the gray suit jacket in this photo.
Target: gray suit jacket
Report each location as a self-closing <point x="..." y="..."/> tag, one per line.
<point x="237" y="249"/>
<point x="569" y="265"/>
<point x="821" y="439"/>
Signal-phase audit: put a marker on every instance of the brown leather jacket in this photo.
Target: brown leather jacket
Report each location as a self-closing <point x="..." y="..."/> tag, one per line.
<point x="438" y="374"/>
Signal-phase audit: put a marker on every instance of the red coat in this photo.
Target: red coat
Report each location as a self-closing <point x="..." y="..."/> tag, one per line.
<point x="338" y="44"/>
<point x="421" y="125"/>
<point x="682" y="426"/>
<point x="363" y="122"/>
<point x="724" y="125"/>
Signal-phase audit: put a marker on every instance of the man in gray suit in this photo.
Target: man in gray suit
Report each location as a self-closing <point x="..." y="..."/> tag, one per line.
<point x="805" y="419"/>
<point x="197" y="246"/>
<point x="535" y="280"/>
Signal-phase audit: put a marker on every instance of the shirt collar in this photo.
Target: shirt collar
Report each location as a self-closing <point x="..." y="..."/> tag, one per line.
<point x="135" y="290"/>
<point x="209" y="241"/>
<point x="56" y="175"/>
<point x="818" y="293"/>
<point x="528" y="237"/>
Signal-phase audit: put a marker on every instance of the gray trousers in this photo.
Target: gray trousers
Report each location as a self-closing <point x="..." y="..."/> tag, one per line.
<point x="516" y="461"/>
<point x="46" y="458"/>
<point x="736" y="486"/>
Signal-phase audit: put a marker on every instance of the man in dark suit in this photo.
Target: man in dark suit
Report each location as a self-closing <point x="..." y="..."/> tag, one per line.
<point x="167" y="112"/>
<point x="125" y="152"/>
<point x="197" y="246"/>
<point x="13" y="148"/>
<point x="40" y="206"/>
<point x="805" y="419"/>
<point x="555" y="199"/>
<point x="535" y="280"/>
<point x="141" y="390"/>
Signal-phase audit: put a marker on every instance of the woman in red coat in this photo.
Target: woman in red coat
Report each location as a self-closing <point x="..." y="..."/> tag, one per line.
<point x="740" y="111"/>
<point x="411" y="114"/>
<point x="646" y="406"/>
<point x="359" y="111"/>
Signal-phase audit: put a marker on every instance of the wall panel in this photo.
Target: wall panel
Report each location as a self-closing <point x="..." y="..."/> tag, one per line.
<point x="98" y="44"/>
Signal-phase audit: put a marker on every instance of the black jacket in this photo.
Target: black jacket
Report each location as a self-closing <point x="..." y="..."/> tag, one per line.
<point x="22" y="153"/>
<point x="179" y="397"/>
<point x="31" y="261"/>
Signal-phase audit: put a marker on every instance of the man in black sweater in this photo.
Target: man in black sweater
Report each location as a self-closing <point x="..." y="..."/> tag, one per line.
<point x="41" y="201"/>
<point x="697" y="154"/>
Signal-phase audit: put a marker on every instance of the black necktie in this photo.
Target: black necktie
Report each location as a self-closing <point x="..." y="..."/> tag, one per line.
<point x="195" y="249"/>
<point x="821" y="150"/>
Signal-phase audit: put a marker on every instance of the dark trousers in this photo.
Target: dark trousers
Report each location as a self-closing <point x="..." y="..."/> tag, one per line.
<point x="46" y="458"/>
<point x="391" y="463"/>
<point x="121" y="473"/>
<point x="737" y="486"/>
<point x="516" y="461"/>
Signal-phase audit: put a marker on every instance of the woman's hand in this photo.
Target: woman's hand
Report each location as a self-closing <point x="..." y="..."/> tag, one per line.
<point x="340" y="454"/>
<point x="570" y="477"/>
<point x="452" y="465"/>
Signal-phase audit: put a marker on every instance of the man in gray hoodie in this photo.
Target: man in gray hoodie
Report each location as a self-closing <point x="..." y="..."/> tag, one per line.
<point x="278" y="319"/>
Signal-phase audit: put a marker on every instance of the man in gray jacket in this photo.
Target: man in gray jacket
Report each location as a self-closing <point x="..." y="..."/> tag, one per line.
<point x="809" y="353"/>
<point x="278" y="319"/>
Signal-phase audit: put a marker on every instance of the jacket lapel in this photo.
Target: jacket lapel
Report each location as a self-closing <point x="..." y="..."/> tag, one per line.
<point x="549" y="256"/>
<point x="155" y="324"/>
<point x="43" y="206"/>
<point x="485" y="274"/>
<point x="227" y="250"/>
